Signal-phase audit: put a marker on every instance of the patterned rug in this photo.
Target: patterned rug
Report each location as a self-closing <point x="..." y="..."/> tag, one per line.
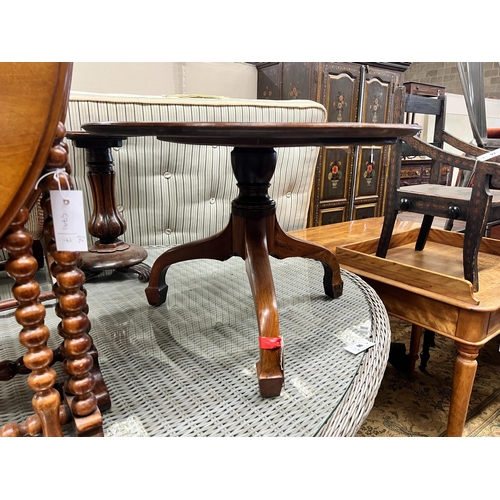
<point x="419" y="406"/>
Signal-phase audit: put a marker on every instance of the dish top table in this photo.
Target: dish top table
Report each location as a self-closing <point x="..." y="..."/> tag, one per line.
<point x="253" y="232"/>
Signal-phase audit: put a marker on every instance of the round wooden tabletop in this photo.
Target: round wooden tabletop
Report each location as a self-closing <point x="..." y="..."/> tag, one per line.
<point x="258" y="134"/>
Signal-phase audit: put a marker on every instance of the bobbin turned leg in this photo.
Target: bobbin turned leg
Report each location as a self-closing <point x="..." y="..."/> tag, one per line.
<point x="74" y="327"/>
<point x="34" y="335"/>
<point x="71" y="307"/>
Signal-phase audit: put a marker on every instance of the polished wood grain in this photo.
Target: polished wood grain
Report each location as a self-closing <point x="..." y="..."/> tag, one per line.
<point x="421" y="270"/>
<point x="470" y="323"/>
<point x="41" y="88"/>
<point x="259" y="134"/>
<point x="253" y="233"/>
<point x="106" y="223"/>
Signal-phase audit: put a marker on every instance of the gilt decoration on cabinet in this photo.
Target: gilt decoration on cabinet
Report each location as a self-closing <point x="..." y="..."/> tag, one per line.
<point x="298" y="81"/>
<point x="269" y="82"/>
<point x="294" y="92"/>
<point x="338" y="107"/>
<point x="267" y="92"/>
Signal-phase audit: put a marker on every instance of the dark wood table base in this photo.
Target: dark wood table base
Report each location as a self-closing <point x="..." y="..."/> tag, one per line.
<point x="253" y="234"/>
<point x="106" y="223"/>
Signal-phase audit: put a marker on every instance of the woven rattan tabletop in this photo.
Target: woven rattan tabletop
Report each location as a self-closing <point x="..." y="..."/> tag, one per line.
<point x="187" y="368"/>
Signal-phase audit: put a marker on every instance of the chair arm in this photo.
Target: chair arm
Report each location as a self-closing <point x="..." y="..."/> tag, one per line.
<point x="466" y="147"/>
<point x="441" y="156"/>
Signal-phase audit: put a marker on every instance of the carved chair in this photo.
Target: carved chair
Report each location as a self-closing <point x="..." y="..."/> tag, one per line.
<point x="33" y="99"/>
<point x="476" y="205"/>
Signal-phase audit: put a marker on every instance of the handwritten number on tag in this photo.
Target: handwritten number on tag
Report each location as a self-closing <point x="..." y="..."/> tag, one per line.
<point x="69" y="221"/>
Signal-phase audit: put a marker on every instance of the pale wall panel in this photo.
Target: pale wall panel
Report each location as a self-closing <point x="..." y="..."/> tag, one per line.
<point x="229" y="79"/>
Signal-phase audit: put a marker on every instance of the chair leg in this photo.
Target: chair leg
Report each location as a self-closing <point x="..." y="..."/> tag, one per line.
<point x="386" y="234"/>
<point x="472" y="240"/>
<point x="38" y="253"/>
<point x="425" y="354"/>
<point x="448" y="225"/>
<point x="424" y="232"/>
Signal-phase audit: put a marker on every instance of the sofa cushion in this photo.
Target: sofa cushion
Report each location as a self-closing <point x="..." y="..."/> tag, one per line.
<point x="173" y="193"/>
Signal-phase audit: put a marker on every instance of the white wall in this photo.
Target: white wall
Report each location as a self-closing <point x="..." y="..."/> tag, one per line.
<point x="228" y="79"/>
<point x="457" y="120"/>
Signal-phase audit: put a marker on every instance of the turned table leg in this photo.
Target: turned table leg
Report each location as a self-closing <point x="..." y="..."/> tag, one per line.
<point x="415" y="338"/>
<point x="463" y="380"/>
<point x="106" y="223"/>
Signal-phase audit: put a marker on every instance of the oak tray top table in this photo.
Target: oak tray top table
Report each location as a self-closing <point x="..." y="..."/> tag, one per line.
<point x="427" y="289"/>
<point x="253" y="232"/>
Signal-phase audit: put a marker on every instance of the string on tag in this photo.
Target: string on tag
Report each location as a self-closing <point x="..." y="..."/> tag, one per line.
<point x="56" y="174"/>
<point x="474" y="169"/>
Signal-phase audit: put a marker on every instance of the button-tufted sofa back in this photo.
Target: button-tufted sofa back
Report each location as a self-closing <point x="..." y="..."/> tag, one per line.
<point x="173" y="193"/>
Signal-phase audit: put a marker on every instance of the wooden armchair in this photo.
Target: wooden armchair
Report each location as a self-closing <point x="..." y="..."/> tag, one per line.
<point x="33" y="99"/>
<point x="476" y="205"/>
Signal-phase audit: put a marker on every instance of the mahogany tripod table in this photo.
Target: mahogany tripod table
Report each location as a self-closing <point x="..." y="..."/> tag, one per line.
<point x="253" y="232"/>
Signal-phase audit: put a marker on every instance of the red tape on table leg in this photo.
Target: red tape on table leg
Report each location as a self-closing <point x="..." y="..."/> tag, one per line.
<point x="270" y="342"/>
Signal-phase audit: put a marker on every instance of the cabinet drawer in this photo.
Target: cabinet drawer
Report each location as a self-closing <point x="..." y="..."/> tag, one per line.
<point x="424" y="89"/>
<point x="419" y="171"/>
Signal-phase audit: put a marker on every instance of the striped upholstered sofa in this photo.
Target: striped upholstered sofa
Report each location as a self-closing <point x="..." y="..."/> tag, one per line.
<point x="171" y="193"/>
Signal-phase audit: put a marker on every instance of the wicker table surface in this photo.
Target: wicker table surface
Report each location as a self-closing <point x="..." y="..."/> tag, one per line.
<point x="187" y="368"/>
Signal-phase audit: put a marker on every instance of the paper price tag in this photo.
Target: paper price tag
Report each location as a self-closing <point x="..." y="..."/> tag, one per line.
<point x="359" y="346"/>
<point x="69" y="221"/>
<point x="489" y="155"/>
